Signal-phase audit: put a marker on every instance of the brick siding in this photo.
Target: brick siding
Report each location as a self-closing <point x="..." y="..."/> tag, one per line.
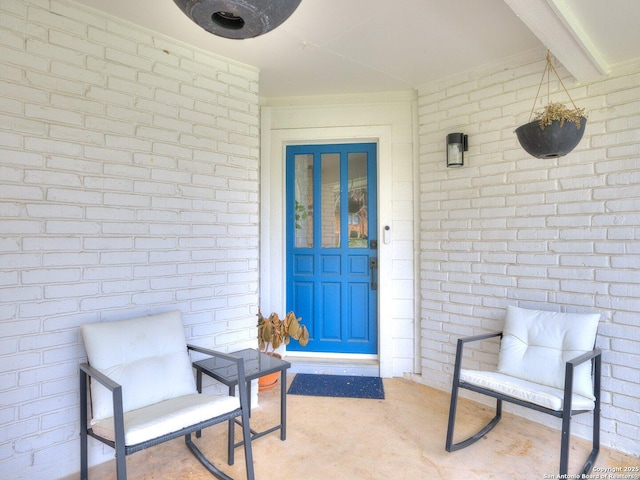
<point x="129" y="185"/>
<point x="507" y="228"/>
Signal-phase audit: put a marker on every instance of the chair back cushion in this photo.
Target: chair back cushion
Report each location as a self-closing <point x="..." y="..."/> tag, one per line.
<point x="147" y="356"/>
<point x="536" y="345"/>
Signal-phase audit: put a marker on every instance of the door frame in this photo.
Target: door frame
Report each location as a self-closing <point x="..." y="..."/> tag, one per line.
<point x="272" y="288"/>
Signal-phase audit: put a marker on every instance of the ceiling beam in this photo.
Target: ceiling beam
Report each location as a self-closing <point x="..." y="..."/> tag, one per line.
<point x="553" y="22"/>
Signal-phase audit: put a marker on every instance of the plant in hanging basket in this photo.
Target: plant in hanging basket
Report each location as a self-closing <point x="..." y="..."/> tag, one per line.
<point x="558" y="112"/>
<point x="556" y="130"/>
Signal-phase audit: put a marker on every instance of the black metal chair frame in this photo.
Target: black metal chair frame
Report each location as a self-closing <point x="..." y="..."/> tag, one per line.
<point x="595" y="356"/>
<point x="89" y="373"/>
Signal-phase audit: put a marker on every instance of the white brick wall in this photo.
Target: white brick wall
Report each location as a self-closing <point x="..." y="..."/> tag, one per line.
<point x="128" y="185"/>
<point x="511" y="229"/>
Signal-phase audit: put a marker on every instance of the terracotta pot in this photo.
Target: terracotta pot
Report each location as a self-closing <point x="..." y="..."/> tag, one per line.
<point x="554" y="141"/>
<point x="269" y="381"/>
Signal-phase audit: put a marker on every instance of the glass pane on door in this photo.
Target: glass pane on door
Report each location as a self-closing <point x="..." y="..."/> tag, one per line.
<point x="303" y="208"/>
<point x="357" y="201"/>
<point x="330" y="198"/>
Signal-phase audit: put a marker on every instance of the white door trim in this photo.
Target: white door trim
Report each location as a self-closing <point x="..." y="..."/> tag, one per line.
<point x="272" y="215"/>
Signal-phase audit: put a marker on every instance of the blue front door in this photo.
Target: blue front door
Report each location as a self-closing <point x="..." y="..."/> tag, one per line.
<point x="332" y="246"/>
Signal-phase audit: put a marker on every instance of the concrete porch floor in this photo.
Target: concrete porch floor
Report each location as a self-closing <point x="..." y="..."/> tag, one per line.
<point x="400" y="437"/>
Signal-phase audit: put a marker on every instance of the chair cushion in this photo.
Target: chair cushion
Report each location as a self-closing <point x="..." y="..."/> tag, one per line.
<point x="148" y="356"/>
<point x="166" y="417"/>
<point x="542" y="395"/>
<point x="536" y="345"/>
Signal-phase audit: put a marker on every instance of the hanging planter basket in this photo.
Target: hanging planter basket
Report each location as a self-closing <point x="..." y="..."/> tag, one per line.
<point x="556" y="140"/>
<point x="556" y="130"/>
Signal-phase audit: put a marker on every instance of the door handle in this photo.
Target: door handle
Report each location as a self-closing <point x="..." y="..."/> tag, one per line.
<point x="373" y="266"/>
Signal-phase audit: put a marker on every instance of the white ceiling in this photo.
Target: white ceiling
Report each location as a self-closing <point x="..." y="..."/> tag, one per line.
<point x="365" y="46"/>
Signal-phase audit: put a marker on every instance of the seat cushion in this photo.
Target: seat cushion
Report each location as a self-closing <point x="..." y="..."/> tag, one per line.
<point x="536" y="345"/>
<point x="148" y="356"/>
<point x="166" y="417"/>
<point x="545" y="396"/>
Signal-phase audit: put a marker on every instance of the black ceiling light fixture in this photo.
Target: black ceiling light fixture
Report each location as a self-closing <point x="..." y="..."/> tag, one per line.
<point x="238" y="19"/>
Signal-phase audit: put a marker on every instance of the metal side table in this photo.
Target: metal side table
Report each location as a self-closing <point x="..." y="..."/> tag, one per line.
<point x="256" y="364"/>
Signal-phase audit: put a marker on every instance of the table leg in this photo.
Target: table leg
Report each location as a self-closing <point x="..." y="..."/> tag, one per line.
<point x="249" y="395"/>
<point x="283" y="404"/>
<point x="232" y="441"/>
<point x="199" y="388"/>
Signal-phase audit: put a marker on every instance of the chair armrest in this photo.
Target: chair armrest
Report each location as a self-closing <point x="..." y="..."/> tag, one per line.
<point x="242" y="383"/>
<point x="460" y="347"/>
<point x="99" y="376"/>
<point x="476" y="338"/>
<point x="115" y="388"/>
<point x="596" y="352"/>
<point x="213" y="353"/>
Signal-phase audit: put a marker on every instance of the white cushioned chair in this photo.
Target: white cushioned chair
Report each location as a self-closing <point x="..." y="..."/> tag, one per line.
<point x="547" y="362"/>
<point x="143" y="391"/>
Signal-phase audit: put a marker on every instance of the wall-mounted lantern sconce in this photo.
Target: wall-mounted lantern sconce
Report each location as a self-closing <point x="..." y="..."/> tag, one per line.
<point x="456" y="146"/>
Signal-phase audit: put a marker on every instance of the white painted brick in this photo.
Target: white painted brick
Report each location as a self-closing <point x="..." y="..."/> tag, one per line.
<point x="52" y="178"/>
<point x="71" y="290"/>
<point x="124" y="286"/>
<point x="193" y="117"/>
<point x="172" y="150"/>
<point x="118" y="184"/>
<point x="17" y="362"/>
<point x="120" y="199"/>
<point x="19" y="226"/>
<point x="52" y="307"/>
<point x="21" y="192"/>
<point x="23" y="159"/>
<point x="129" y="59"/>
<point x="108" y="125"/>
<point x="119" y="258"/>
<point x="70" y="133"/>
<point x="105" y="302"/>
<point x="172" y="124"/>
<point x="161" y="216"/>
<point x="250" y="120"/>
<point x="123" y="170"/>
<point x="158" y="54"/>
<point x="51" y="51"/>
<point x="52" y="114"/>
<point x="150" y="298"/>
<point x="8" y="278"/>
<point x="109" y="96"/>
<point x="163" y="270"/>
<point x="50" y="276"/>
<point x="173" y="99"/>
<point x="8" y="312"/>
<point x="21" y="124"/>
<point x="98" y="66"/>
<point x="72" y="164"/>
<point x="68" y="259"/>
<point x="70" y="227"/>
<point x="559" y="222"/>
<point x="106" y="273"/>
